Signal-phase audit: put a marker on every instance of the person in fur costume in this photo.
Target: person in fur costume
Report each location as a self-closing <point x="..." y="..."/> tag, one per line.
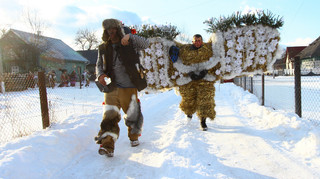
<point x="198" y="95"/>
<point x="118" y="64"/>
<point x="194" y="69"/>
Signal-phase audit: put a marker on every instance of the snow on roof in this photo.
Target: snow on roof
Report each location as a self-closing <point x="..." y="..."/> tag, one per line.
<point x="53" y="48"/>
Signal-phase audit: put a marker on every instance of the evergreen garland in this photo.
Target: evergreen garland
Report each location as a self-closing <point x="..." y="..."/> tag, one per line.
<point x="239" y="20"/>
<point x="165" y="31"/>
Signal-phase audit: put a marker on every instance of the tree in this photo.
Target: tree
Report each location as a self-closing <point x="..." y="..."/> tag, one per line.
<point x="86" y="39"/>
<point x="265" y="18"/>
<point x="36" y="24"/>
<point x="3" y="31"/>
<point x="38" y="44"/>
<point x="167" y="31"/>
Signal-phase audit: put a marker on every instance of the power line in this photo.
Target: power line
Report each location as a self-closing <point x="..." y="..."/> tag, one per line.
<point x="186" y="8"/>
<point x="297" y="11"/>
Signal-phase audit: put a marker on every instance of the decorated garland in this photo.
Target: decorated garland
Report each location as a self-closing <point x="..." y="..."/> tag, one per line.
<point x="246" y="50"/>
<point x="238" y="51"/>
<point x="156" y="61"/>
<point x="239" y="45"/>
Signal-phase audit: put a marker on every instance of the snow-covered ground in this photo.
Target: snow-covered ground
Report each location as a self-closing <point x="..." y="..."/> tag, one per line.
<point x="245" y="140"/>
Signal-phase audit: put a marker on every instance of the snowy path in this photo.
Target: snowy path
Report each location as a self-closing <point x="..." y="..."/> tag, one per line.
<point x="172" y="148"/>
<point x="245" y="141"/>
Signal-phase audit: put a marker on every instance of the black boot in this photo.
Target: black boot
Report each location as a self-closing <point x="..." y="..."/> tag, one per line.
<point x="189" y="117"/>
<point x="203" y="124"/>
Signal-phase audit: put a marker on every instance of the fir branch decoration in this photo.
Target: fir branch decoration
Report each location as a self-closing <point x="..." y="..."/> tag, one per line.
<point x="265" y="18"/>
<point x="169" y="31"/>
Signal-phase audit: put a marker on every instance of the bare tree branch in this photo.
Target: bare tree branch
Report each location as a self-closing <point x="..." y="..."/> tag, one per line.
<point x="3" y="31"/>
<point x="86" y="39"/>
<point x="36" y="24"/>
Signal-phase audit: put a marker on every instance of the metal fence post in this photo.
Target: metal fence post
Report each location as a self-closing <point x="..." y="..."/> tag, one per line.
<point x="80" y="76"/>
<point x="2" y="88"/>
<point x="245" y="83"/>
<point x="43" y="100"/>
<point x="297" y="84"/>
<point x="251" y="87"/>
<point x="262" y="87"/>
<point x="1" y="62"/>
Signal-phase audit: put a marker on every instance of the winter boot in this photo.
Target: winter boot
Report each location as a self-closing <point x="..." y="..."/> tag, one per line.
<point x="104" y="151"/>
<point x="134" y="138"/>
<point x="203" y="124"/>
<point x="189" y="117"/>
<point x="109" y="131"/>
<point x="107" y="146"/>
<point x="134" y="143"/>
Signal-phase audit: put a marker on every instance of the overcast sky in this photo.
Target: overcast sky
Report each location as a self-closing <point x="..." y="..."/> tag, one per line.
<point x="64" y="17"/>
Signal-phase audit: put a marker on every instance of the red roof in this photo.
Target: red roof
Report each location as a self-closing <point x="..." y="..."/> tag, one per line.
<point x="293" y="51"/>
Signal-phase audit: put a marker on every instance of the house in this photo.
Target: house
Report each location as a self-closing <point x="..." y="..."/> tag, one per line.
<point x="279" y="67"/>
<point x="291" y="52"/>
<point x="91" y="56"/>
<point x="22" y="52"/>
<point x="310" y="58"/>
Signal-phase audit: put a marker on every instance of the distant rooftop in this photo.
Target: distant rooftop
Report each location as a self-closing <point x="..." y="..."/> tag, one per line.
<point x="293" y="51"/>
<point x="312" y="51"/>
<point x="53" y="48"/>
<point x="91" y="55"/>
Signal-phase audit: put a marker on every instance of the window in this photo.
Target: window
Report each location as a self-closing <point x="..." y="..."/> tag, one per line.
<point x="15" y="69"/>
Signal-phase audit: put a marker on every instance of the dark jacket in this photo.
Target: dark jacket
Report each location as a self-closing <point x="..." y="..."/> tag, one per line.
<point x="129" y="58"/>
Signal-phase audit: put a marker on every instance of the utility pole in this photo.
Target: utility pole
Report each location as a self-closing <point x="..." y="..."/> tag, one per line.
<point x="2" y="88"/>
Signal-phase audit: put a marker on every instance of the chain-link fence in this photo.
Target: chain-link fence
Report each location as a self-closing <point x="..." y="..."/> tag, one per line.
<point x="21" y="107"/>
<point x="20" y="104"/>
<point x="310" y="96"/>
<point x="18" y="108"/>
<point x="278" y="92"/>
